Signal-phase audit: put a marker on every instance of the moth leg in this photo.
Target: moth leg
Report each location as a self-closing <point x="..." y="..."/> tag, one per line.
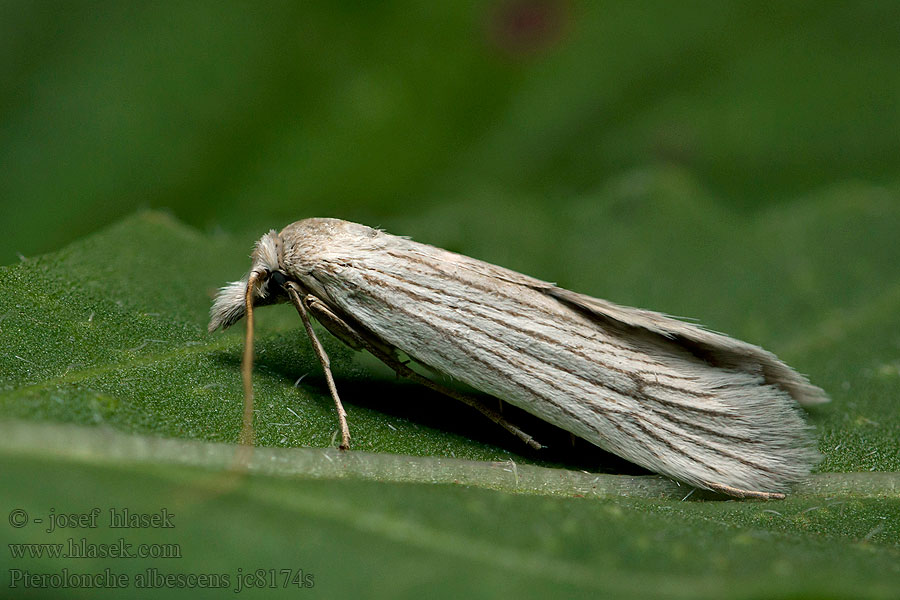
<point x="739" y="493"/>
<point x="342" y="330"/>
<point x="387" y="354"/>
<point x="326" y="363"/>
<point x="404" y="371"/>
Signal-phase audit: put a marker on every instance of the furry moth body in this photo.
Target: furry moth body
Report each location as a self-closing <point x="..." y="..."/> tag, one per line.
<point x="680" y="400"/>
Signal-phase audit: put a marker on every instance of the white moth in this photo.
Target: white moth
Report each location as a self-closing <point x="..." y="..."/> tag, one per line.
<point x="698" y="406"/>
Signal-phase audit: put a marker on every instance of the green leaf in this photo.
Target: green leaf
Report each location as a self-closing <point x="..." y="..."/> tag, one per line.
<point x="111" y="332"/>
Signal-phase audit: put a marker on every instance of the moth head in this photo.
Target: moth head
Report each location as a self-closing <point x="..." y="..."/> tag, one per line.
<point x="264" y="282"/>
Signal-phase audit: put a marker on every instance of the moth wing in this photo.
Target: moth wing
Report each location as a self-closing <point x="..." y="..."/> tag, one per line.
<point x="715" y="348"/>
<point x="668" y="395"/>
<point x="759" y="452"/>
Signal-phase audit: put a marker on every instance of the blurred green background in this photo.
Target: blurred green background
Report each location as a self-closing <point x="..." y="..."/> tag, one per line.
<point x="245" y="116"/>
<point x="736" y="162"/>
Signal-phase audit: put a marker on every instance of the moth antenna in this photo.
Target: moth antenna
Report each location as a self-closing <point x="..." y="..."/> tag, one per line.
<point x="247" y="436"/>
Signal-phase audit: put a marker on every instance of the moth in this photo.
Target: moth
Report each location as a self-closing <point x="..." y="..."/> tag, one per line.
<point x="671" y="396"/>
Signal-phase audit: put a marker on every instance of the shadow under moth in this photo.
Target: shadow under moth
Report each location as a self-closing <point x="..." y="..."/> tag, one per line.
<point x="680" y="400"/>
